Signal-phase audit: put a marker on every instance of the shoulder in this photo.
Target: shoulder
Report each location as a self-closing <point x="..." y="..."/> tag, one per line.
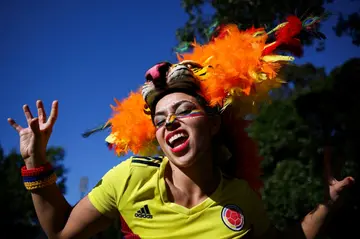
<point x="130" y="173"/>
<point x="139" y="163"/>
<point x="239" y="187"/>
<point x="138" y="167"/>
<point x="235" y="182"/>
<point x="147" y="162"/>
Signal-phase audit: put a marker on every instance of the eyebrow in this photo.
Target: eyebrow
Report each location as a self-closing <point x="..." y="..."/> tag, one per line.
<point x="176" y="105"/>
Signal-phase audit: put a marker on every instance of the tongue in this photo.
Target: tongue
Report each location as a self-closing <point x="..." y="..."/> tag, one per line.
<point x="179" y="141"/>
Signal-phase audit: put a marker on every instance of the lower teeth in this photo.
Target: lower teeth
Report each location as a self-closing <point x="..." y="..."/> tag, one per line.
<point x="179" y="142"/>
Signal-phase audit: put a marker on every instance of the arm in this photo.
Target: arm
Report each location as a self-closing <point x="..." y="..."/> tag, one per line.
<point x="314" y="222"/>
<point x="311" y="225"/>
<point x="94" y="213"/>
<point x="309" y="228"/>
<point x="59" y="220"/>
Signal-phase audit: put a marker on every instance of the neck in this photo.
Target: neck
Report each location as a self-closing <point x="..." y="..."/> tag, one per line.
<point x="197" y="181"/>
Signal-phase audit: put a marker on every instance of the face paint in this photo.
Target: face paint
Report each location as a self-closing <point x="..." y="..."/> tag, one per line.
<point x="191" y="114"/>
<point x="182" y="115"/>
<point x="170" y="120"/>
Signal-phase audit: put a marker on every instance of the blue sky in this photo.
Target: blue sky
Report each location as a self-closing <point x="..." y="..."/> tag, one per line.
<point x="86" y="53"/>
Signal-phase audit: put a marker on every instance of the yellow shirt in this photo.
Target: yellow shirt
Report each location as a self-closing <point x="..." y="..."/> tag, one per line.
<point x="136" y="188"/>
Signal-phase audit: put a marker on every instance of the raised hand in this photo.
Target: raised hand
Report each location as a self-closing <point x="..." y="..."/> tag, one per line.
<point x="335" y="187"/>
<point x="34" y="138"/>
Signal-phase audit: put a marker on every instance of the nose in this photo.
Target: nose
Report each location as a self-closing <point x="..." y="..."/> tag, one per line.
<point x="157" y="73"/>
<point x="171" y="122"/>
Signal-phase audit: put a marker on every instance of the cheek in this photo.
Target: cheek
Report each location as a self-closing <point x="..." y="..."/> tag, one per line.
<point x="202" y="129"/>
<point x="159" y="136"/>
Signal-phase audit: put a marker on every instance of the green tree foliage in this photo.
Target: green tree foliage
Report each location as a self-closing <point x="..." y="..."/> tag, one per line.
<point x="18" y="218"/>
<point x="291" y="134"/>
<point x="258" y="13"/>
<point x="349" y="25"/>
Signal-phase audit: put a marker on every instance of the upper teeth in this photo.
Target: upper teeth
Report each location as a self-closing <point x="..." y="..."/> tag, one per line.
<point x="175" y="137"/>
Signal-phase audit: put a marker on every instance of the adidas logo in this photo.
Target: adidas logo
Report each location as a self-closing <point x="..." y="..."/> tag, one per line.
<point x="144" y="212"/>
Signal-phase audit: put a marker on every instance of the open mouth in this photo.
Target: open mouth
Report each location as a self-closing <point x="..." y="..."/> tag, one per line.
<point x="178" y="140"/>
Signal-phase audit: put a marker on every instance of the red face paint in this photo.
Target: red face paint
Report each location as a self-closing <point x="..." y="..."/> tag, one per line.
<point x="193" y="113"/>
<point x="174" y="117"/>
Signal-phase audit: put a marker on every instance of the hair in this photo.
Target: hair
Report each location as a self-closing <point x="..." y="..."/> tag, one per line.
<point x="235" y="153"/>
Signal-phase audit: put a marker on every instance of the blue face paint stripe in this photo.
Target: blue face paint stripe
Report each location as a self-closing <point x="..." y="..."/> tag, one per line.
<point x="192" y="114"/>
<point x="173" y="117"/>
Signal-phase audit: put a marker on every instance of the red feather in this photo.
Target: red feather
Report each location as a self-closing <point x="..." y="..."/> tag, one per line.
<point x="290" y="30"/>
<point x="285" y="38"/>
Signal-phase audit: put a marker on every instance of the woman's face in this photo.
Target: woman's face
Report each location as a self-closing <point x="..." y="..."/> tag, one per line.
<point x="184" y="131"/>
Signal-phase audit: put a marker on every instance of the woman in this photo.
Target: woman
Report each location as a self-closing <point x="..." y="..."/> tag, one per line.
<point x="184" y="194"/>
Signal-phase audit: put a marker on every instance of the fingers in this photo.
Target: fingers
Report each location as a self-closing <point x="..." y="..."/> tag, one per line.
<point x="54" y="113"/>
<point x="34" y="122"/>
<point x="27" y="113"/>
<point x="34" y="125"/>
<point x="13" y="124"/>
<point x="340" y="186"/>
<point x="41" y="111"/>
<point x="346" y="182"/>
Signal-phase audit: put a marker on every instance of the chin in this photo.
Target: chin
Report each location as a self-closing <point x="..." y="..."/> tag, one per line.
<point x="184" y="156"/>
<point x="185" y="161"/>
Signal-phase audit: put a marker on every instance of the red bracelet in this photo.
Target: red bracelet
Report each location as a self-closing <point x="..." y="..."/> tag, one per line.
<point x="35" y="171"/>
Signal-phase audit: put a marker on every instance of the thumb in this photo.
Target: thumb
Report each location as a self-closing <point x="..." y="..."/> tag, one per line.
<point x="346" y="182"/>
<point x="34" y="125"/>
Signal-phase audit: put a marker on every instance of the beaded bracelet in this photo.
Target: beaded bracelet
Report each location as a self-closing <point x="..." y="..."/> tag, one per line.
<point x="39" y="177"/>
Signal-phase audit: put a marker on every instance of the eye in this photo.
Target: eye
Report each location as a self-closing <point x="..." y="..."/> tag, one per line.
<point x="159" y="121"/>
<point x="184" y="112"/>
<point x="185" y="109"/>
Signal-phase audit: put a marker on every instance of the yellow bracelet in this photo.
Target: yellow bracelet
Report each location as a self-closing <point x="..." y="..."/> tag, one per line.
<point x="41" y="183"/>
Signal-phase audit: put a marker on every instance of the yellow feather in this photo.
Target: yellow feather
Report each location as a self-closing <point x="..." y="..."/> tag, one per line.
<point x="277" y="58"/>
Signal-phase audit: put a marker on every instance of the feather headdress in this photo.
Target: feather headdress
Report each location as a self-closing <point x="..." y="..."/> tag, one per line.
<point x="234" y="72"/>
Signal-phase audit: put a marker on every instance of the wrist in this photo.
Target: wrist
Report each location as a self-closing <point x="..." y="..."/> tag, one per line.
<point x="328" y="204"/>
<point x="326" y="207"/>
<point x="31" y="163"/>
<point x="39" y="177"/>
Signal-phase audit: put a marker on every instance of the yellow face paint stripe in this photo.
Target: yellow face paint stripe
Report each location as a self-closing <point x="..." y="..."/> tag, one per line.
<point x="171" y="120"/>
<point x="173" y="117"/>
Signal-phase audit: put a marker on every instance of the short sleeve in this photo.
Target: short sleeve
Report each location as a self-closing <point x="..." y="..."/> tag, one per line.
<point x="107" y="192"/>
<point x="259" y="218"/>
